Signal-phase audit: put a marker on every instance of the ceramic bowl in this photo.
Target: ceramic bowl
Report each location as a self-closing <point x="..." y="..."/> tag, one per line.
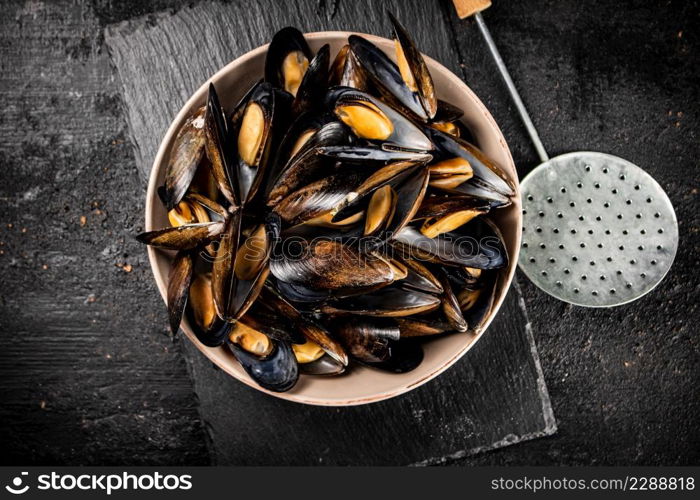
<point x="361" y="385"/>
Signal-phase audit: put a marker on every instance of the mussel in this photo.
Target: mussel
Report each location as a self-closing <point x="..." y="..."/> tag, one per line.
<point x="371" y="119"/>
<point x="187" y="154"/>
<point x="338" y="213"/>
<point x="377" y="342"/>
<point x="288" y="58"/>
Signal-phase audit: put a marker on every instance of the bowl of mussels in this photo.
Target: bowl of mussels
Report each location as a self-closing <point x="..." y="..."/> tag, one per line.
<point x="333" y="218"/>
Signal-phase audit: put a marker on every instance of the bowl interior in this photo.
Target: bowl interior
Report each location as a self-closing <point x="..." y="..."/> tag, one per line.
<point x="360" y="385"/>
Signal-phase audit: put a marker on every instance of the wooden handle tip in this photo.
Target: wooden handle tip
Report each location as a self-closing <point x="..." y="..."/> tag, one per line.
<point x="466" y="8"/>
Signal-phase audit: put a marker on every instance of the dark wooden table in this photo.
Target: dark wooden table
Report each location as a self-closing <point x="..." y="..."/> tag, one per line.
<point x="88" y="373"/>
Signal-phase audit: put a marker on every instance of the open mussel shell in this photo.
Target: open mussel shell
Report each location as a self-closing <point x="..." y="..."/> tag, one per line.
<point x="477" y="244"/>
<point x="311" y="330"/>
<point x="419" y="277"/>
<point x="277" y="372"/>
<point x="307" y="164"/>
<point x="223" y="285"/>
<point x="330" y="265"/>
<point x="413" y="69"/>
<point x="488" y="181"/>
<point x="317" y="198"/>
<point x="185" y="237"/>
<point x="450" y="304"/>
<point x="390" y="301"/>
<point x="179" y="281"/>
<point x="241" y="266"/>
<point x="262" y="318"/>
<point x="300" y="132"/>
<point x="371" y="119"/>
<point x="252" y="126"/>
<point x="344" y="70"/>
<point x="360" y="196"/>
<point x="389" y="198"/>
<point x="440" y="214"/>
<point x="447" y="112"/>
<point x="446" y="120"/>
<point x="185" y="156"/>
<point x="201" y="314"/>
<point x="215" y="212"/>
<point x="464" y="277"/>
<point x="219" y="147"/>
<point x="476" y="303"/>
<point x="313" y="86"/>
<point x="287" y="60"/>
<point x="362" y="155"/>
<point x="377" y="69"/>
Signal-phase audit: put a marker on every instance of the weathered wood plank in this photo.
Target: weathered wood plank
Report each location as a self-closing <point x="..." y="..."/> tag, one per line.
<point x="89" y="374"/>
<point x="493" y="397"/>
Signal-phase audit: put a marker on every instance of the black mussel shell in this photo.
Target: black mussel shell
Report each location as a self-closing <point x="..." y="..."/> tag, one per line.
<point x="186" y="154"/>
<point x="441" y="214"/>
<point x="406" y="355"/>
<point x="329" y="265"/>
<point x="313" y="86"/>
<point x="419" y="277"/>
<point x="277" y="372"/>
<point x="307" y="165"/>
<point x="422" y="326"/>
<point x="300" y="132"/>
<point x="450" y="304"/>
<point x="216" y="212"/>
<point x="356" y="154"/>
<point x="299" y="293"/>
<point x="179" y="281"/>
<point x="367" y="339"/>
<point x="447" y="112"/>
<point x="377" y="68"/>
<point x="185" y="237"/>
<point x="393" y="174"/>
<point x="325" y="365"/>
<point x="286" y="41"/>
<point x="234" y="294"/>
<point x="390" y="301"/>
<point x="488" y="181"/>
<point x="344" y="70"/>
<point x="212" y="335"/>
<point x="317" y="198"/>
<point x="311" y="330"/>
<point x="261" y="318"/>
<point x="396" y="129"/>
<point x="223" y="285"/>
<point x="477" y="244"/>
<point x="215" y="336"/>
<point x="411" y="62"/>
<point x="219" y="147"/>
<point x="479" y="311"/>
<point x="250" y="162"/>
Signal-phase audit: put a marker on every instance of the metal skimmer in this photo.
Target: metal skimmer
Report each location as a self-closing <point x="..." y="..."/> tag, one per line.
<point x="598" y="231"/>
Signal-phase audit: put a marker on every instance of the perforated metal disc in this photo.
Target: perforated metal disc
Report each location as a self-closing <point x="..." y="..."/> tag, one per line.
<point x="597" y="230"/>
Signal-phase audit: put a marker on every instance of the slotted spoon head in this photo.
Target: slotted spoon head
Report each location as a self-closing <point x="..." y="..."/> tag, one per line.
<point x="598" y="231"/>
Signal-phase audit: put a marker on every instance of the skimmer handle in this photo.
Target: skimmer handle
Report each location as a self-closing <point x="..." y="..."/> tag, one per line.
<point x="468" y="7"/>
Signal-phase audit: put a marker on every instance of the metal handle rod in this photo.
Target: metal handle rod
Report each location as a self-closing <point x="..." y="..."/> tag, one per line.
<point x="531" y="130"/>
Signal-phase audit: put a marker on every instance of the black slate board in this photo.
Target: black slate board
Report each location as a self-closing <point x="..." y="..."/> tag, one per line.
<point x="493" y="397"/>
